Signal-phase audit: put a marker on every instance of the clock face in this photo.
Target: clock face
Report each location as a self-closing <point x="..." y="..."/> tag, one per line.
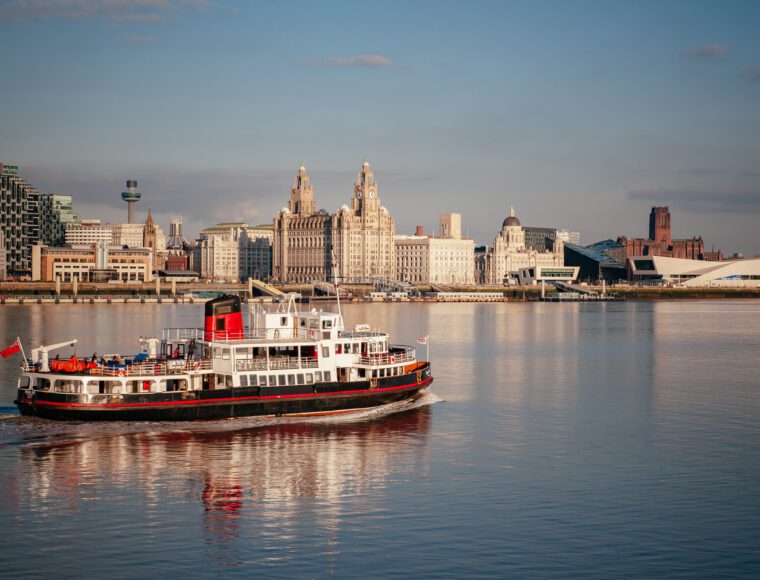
<point x="372" y="194"/>
<point x="358" y="195"/>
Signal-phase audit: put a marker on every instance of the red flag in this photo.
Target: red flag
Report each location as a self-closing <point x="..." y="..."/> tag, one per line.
<point x="12" y="349"/>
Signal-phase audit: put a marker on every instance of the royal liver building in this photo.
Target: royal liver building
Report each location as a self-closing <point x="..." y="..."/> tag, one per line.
<point x="353" y="244"/>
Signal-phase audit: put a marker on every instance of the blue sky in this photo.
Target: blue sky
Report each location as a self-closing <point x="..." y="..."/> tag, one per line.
<point x="580" y="114"/>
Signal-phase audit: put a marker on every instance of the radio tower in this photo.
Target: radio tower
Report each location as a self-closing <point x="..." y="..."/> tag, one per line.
<point x="131" y="196"/>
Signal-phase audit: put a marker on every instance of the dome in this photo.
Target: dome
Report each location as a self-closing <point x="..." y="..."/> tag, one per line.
<point x="511" y="219"/>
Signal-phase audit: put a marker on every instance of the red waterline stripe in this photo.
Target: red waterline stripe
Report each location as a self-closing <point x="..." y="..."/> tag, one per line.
<point x="212" y="401"/>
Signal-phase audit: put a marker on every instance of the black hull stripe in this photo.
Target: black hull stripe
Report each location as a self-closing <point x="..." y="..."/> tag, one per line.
<point x="227" y="400"/>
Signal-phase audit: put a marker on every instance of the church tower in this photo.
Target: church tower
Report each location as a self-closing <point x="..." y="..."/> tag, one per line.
<point x="366" y="200"/>
<point x="150" y="238"/>
<point x="659" y="226"/>
<point x="301" y="196"/>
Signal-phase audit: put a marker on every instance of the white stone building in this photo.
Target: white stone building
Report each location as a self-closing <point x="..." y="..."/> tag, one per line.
<point x="354" y="244"/>
<point x="235" y="251"/>
<point x="88" y="231"/>
<point x="448" y="259"/>
<point x="509" y="253"/>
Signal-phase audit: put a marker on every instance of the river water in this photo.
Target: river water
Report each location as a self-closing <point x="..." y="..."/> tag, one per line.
<point x="594" y="440"/>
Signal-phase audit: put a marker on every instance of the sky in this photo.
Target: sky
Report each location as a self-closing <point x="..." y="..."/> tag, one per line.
<point x="580" y="114"/>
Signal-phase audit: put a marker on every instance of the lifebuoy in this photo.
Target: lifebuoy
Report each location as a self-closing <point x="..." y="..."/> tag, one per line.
<point x="393" y="359"/>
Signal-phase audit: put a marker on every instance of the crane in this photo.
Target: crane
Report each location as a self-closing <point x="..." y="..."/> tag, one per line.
<point x="40" y="354"/>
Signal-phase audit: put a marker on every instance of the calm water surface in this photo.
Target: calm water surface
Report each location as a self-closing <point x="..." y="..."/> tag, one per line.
<point x="604" y="440"/>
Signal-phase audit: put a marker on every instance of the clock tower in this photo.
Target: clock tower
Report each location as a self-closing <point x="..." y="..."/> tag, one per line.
<point x="301" y="196"/>
<point x="366" y="200"/>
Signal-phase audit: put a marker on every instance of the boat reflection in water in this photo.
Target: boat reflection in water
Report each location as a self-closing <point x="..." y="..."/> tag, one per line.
<point x="261" y="485"/>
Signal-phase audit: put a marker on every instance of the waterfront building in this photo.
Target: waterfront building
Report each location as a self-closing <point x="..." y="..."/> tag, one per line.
<point x="510" y="253"/>
<point x="448" y="259"/>
<point x="95" y="262"/>
<point x="234" y="251"/>
<point x="364" y="233"/>
<point x="3" y="262"/>
<point x="134" y="235"/>
<point x="604" y="260"/>
<point x="660" y="270"/>
<point x="178" y="255"/>
<point x="86" y="232"/>
<point x="569" y="237"/>
<point x="543" y="238"/>
<point x="127" y="235"/>
<point x="19" y="220"/>
<point x="534" y="275"/>
<point x="354" y="244"/>
<point x="660" y="243"/>
<point x="56" y="214"/>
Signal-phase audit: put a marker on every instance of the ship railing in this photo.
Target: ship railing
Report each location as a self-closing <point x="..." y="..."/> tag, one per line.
<point x="398" y="354"/>
<point x="155" y="368"/>
<point x="277" y="363"/>
<point x="182" y="334"/>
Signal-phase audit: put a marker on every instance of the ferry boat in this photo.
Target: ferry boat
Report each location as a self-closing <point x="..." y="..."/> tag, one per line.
<point x="285" y="363"/>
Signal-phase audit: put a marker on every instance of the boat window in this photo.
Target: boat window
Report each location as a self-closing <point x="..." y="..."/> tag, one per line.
<point x="302" y="322"/>
<point x="225" y="354"/>
<point x="326" y="324"/>
<point x="338" y="348"/>
<point x="299" y="378"/>
<point x="309" y="378"/>
<point x="272" y="380"/>
<point x="318" y="376"/>
<point x="356" y="348"/>
<point x="242" y="353"/>
<point x="327" y="376"/>
<point x="281" y="380"/>
<point x="42" y="384"/>
<point x="283" y="320"/>
<point x="313" y="323"/>
<point x="326" y="352"/>
<point x="243" y="380"/>
<point x="291" y="379"/>
<point x="382" y="373"/>
<point x="362" y="373"/>
<point x="217" y="352"/>
<point x="253" y="380"/>
<point x="69" y="386"/>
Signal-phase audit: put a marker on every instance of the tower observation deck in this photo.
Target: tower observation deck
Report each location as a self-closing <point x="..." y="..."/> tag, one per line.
<point x="131" y="196"/>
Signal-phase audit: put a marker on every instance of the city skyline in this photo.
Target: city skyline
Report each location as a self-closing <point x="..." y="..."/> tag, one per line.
<point x="580" y="116"/>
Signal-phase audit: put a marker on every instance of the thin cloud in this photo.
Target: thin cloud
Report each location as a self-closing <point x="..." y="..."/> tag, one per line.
<point x="80" y="10"/>
<point x="359" y="61"/>
<point x="706" y="52"/>
<point x="752" y="73"/>
<point x="703" y="201"/>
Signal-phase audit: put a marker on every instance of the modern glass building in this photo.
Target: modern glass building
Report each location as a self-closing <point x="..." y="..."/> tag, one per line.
<point x="19" y="220"/>
<point x="56" y="214"/>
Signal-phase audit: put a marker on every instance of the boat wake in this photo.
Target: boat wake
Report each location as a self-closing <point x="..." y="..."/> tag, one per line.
<point x="18" y="430"/>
